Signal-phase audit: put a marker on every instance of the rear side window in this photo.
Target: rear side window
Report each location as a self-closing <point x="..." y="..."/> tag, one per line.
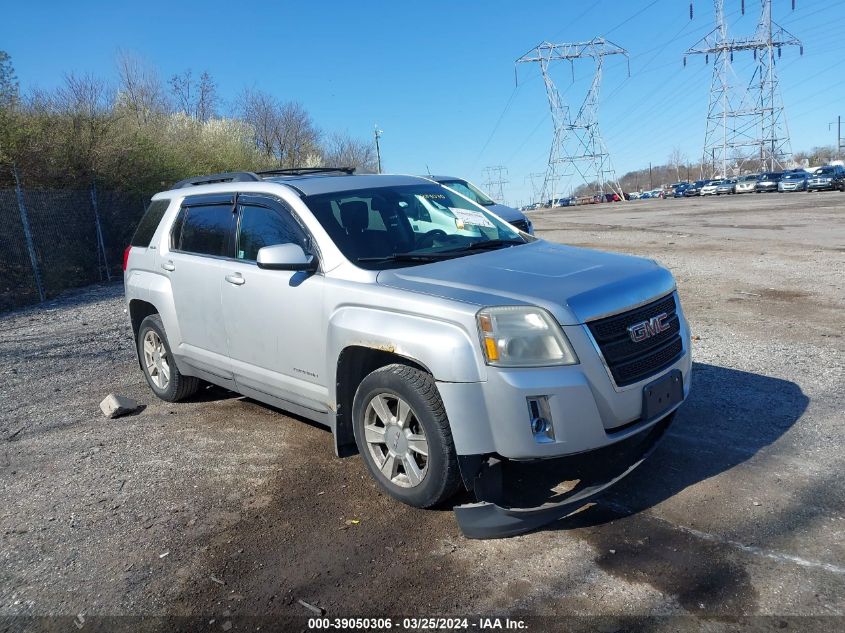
<point x="149" y="223"/>
<point x="205" y="230"/>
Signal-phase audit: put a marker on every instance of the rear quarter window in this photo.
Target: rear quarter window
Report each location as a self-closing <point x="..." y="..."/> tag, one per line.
<point x="149" y="223"/>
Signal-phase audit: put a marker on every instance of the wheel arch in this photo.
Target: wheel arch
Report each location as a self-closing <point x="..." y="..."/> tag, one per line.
<point x="354" y="363"/>
<point x="138" y="311"/>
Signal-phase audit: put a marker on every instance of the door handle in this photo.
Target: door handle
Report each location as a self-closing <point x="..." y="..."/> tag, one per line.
<point x="236" y="279"/>
<point x="169" y="266"/>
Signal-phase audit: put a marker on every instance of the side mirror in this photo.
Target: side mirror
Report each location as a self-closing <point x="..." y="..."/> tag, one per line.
<point x="286" y="257"/>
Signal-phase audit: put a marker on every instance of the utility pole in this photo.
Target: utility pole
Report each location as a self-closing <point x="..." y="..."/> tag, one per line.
<point x="495" y="181"/>
<point x="577" y="143"/>
<point x="650" y="181"/>
<point x="377" y="134"/>
<point x="742" y="127"/>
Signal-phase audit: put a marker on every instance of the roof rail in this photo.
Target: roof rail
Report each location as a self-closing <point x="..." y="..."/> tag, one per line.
<point x="305" y="171"/>
<point x="231" y="176"/>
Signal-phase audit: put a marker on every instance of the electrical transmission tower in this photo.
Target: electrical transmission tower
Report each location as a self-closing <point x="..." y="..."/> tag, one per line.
<point x="577" y="143"/>
<point x="495" y="181"/>
<point x="753" y="127"/>
<point x="536" y="185"/>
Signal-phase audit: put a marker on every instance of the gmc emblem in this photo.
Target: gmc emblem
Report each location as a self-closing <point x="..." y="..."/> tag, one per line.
<point x="646" y="329"/>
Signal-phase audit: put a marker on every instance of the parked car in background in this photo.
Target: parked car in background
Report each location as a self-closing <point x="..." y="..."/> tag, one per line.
<point x="746" y="184"/>
<point x="694" y="189"/>
<point x="768" y="182"/>
<point x="679" y="190"/>
<point x="727" y="186"/>
<point x="709" y="188"/>
<point x="794" y="181"/>
<point x="634" y="195"/>
<point x="829" y="177"/>
<point x="645" y="194"/>
<point x="466" y="188"/>
<point x="673" y="188"/>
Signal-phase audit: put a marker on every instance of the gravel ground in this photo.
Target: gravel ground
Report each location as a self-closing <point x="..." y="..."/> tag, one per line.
<point x="222" y="508"/>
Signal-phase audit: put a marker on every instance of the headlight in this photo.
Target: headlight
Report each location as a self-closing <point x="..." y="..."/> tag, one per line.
<point x="517" y="336"/>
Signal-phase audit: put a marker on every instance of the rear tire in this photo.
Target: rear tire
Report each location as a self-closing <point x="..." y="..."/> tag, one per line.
<point x="403" y="434"/>
<point x="160" y="370"/>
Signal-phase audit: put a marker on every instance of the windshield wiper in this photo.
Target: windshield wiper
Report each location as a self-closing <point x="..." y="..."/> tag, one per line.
<point x="485" y="244"/>
<point x="405" y="257"/>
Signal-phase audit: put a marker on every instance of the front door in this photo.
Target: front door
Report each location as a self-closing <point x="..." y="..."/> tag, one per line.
<point x="274" y="318"/>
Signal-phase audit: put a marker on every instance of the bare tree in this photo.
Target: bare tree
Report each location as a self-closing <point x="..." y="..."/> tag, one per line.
<point x="677" y="159"/>
<point x="207" y="99"/>
<point x="180" y="88"/>
<point x="342" y="150"/>
<point x="197" y="101"/>
<point x="283" y="132"/>
<point x="296" y="136"/>
<point x="140" y="88"/>
<point x="260" y="110"/>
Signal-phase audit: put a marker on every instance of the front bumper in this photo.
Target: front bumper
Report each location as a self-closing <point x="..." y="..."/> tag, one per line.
<point x="600" y="433"/>
<point x="503" y="487"/>
<point x="820" y="186"/>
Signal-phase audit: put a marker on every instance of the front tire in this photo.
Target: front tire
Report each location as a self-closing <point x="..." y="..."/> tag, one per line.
<point x="403" y="434"/>
<point x="160" y="370"/>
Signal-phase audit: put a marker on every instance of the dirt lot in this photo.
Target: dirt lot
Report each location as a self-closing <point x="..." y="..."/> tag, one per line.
<point x="224" y="508"/>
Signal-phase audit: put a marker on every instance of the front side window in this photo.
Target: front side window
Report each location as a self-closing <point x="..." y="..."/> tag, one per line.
<point x="261" y="226"/>
<point x="204" y="230"/>
<point x="408" y="224"/>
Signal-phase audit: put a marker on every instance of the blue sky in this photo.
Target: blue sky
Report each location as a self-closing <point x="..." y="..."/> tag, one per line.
<point x="438" y="77"/>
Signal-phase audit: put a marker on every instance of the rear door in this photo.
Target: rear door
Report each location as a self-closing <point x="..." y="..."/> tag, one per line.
<point x="274" y="318"/>
<point x="202" y="239"/>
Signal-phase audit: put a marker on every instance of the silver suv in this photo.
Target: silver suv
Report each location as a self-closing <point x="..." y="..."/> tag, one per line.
<point x="444" y="345"/>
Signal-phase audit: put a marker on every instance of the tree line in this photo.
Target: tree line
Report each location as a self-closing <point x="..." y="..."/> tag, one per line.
<point x="142" y="133"/>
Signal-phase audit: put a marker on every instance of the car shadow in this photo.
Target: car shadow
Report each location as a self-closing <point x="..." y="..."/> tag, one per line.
<point x="729" y="417"/>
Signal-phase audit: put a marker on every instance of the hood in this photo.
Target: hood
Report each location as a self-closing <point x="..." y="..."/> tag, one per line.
<point x="574" y="284"/>
<point x="506" y="213"/>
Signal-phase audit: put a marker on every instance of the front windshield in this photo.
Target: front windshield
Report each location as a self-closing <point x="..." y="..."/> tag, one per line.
<point x="469" y="190"/>
<point x="824" y="171"/>
<point x="392" y="227"/>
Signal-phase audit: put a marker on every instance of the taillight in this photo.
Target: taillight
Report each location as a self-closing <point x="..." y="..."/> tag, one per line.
<point x="126" y="257"/>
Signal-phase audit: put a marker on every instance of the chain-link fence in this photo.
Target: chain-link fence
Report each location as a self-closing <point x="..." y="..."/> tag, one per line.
<point x="52" y="240"/>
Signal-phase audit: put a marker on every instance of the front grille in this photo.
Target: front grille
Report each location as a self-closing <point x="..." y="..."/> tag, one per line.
<point x="628" y="361"/>
<point x="522" y="225"/>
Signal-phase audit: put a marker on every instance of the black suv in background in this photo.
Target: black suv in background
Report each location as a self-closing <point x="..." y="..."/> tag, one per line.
<point x="828" y="177"/>
<point x="768" y="182"/>
<point x="695" y="188"/>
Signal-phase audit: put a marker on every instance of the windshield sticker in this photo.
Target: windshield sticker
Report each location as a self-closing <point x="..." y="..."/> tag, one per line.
<point x="476" y="218"/>
<point x="432" y="196"/>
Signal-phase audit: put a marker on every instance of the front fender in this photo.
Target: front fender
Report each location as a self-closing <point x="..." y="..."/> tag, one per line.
<point x="445" y="348"/>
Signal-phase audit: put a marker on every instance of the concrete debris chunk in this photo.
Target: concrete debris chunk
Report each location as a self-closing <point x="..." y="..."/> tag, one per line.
<point x="114" y="406"/>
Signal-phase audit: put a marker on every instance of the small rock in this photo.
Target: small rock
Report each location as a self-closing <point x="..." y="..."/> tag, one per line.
<point x="311" y="607"/>
<point x="114" y="406"/>
<point x="613" y="551"/>
<point x="227" y="625"/>
<point x="757" y="503"/>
